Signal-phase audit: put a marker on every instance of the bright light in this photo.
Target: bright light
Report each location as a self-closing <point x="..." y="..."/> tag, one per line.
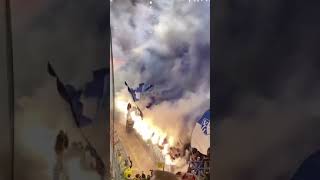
<point x="155" y="138"/>
<point x="148" y="131"/>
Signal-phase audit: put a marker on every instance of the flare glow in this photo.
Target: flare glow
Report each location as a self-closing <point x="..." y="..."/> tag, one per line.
<point x="149" y="132"/>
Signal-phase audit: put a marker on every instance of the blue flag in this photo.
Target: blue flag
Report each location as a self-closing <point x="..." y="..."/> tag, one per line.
<point x="95" y="88"/>
<point x="144" y="87"/>
<point x="201" y="134"/>
<point x="137" y="93"/>
<point x="72" y="96"/>
<point x="309" y="169"/>
<point x="204" y="122"/>
<point x="132" y="92"/>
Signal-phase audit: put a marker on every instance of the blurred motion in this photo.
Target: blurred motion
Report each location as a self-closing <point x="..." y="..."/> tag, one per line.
<point x="72" y="36"/>
<point x="161" y="93"/>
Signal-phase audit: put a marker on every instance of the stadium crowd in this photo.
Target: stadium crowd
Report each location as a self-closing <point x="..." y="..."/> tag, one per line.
<point x="198" y="169"/>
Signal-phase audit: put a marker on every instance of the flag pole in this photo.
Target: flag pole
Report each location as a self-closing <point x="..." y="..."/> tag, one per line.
<point x="10" y="79"/>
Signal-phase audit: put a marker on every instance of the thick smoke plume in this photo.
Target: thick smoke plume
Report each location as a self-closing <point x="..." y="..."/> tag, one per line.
<point x="165" y="44"/>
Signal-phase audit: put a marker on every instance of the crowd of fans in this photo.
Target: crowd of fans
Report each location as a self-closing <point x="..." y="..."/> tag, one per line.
<point x="199" y="164"/>
<point x="142" y="176"/>
<point x="198" y="169"/>
<point x="126" y="169"/>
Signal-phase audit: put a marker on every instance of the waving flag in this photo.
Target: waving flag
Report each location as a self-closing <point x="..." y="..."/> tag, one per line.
<point x="132" y="92"/>
<point x="137" y="93"/>
<point x="72" y="97"/>
<point x="144" y="88"/>
<point x="201" y="134"/>
<point x="51" y="71"/>
<point x="95" y="88"/>
<point x="309" y="169"/>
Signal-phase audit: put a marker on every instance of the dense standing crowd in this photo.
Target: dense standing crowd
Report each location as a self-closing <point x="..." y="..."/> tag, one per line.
<point x="199" y="168"/>
<point x="126" y="168"/>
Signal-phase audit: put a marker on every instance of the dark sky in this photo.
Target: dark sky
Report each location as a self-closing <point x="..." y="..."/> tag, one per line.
<point x="266" y="87"/>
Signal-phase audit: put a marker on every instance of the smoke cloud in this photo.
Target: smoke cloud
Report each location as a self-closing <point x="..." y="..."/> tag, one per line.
<point x="165" y="44"/>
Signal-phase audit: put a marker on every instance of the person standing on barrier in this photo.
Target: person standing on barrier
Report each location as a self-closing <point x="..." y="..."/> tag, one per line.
<point x="128" y="162"/>
<point x="61" y="146"/>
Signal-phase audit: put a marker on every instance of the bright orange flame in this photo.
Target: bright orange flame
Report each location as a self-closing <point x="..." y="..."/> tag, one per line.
<point x="149" y="132"/>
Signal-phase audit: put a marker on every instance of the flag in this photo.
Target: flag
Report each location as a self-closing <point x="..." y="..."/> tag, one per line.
<point x="77" y="112"/>
<point x="144" y="87"/>
<point x="100" y="166"/>
<point x="72" y="96"/>
<point x="138" y="92"/>
<point x="201" y="134"/>
<point x="51" y="70"/>
<point x="95" y="88"/>
<point x="309" y="169"/>
<point x="132" y="92"/>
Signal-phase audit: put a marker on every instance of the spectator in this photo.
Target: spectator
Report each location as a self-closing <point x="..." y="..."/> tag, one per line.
<point x="127" y="172"/>
<point x="62" y="142"/>
<point x="128" y="177"/>
<point x="143" y="176"/>
<point x="130" y="165"/>
<point x="207" y="175"/>
<point x="137" y="177"/>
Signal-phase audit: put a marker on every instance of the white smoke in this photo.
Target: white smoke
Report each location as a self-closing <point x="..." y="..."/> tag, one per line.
<point x="39" y="123"/>
<point x="166" y="45"/>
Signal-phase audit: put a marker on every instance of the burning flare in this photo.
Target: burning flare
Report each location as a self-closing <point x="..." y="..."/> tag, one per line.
<point x="149" y="132"/>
